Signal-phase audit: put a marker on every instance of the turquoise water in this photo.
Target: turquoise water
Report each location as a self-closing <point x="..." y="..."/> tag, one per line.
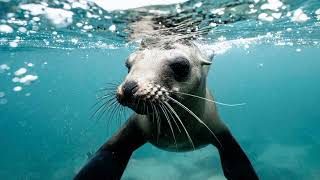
<point x="45" y="126"/>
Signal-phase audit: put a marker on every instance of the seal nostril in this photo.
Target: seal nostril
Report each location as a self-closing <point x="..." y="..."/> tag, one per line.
<point x="129" y="88"/>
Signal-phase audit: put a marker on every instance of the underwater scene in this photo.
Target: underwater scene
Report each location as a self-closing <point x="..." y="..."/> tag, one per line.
<point x="56" y="58"/>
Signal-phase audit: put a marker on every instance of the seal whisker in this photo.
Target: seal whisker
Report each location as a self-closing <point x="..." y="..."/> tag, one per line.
<point x="195" y="116"/>
<point x="172" y="117"/>
<point x="107" y="89"/>
<point x="220" y="103"/>
<point x="170" y="125"/>
<point x="174" y="112"/>
<point x="138" y="102"/>
<point x="123" y="112"/>
<point x="104" y="104"/>
<point x="120" y="114"/>
<point x="109" y="98"/>
<point x="152" y="110"/>
<point x="111" y="108"/>
<point x="113" y="111"/>
<point x="106" y="95"/>
<point x="101" y="104"/>
<point x="117" y="114"/>
<point x="105" y="109"/>
<point x="144" y="107"/>
<point x="158" y="121"/>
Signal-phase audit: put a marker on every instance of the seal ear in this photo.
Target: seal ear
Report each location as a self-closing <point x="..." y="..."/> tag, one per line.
<point x="206" y="63"/>
<point x="206" y="54"/>
<point x="207" y="60"/>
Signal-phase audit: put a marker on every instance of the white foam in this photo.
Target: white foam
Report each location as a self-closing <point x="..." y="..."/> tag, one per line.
<point x="66" y="6"/>
<point x="5" y="28"/>
<point x="58" y="17"/>
<point x="276" y="15"/>
<point x="81" y="5"/>
<point x="273" y="5"/>
<point x="36" y="19"/>
<point x="197" y="5"/>
<point x="87" y="27"/>
<point x="17" y="22"/>
<point x="22" y="29"/>
<point x="14" y="43"/>
<point x="112" y="5"/>
<point x="219" y="11"/>
<point x="79" y="24"/>
<point x="299" y="16"/>
<point x="212" y="24"/>
<point x="74" y="40"/>
<point x="35" y="9"/>
<point x="223" y="46"/>
<point x="265" y="17"/>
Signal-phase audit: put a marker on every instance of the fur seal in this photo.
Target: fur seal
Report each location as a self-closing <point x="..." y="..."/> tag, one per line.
<point x="166" y="86"/>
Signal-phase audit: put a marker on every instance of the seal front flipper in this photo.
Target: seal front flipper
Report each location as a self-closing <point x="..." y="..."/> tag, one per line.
<point x="111" y="159"/>
<point x="235" y="163"/>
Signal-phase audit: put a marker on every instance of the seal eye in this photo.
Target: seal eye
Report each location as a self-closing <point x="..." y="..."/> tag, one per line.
<point x="180" y="68"/>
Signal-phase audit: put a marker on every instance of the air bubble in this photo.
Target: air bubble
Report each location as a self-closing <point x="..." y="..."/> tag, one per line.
<point x="17" y="88"/>
<point x="20" y="71"/>
<point x="112" y="28"/>
<point x="3" y="101"/>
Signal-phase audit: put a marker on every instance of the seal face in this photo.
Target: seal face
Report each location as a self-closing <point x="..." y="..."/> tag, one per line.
<point x="154" y="73"/>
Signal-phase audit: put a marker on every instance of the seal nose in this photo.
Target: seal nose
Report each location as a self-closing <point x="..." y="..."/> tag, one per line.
<point x="129" y="88"/>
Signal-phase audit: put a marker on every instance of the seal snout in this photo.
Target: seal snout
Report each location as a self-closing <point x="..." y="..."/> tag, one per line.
<point x="141" y="96"/>
<point x="126" y="92"/>
<point x="129" y="88"/>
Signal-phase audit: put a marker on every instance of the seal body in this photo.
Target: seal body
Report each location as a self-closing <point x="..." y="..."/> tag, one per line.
<point x="166" y="86"/>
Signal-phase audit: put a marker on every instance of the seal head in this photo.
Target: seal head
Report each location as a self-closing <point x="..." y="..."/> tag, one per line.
<point x="157" y="70"/>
